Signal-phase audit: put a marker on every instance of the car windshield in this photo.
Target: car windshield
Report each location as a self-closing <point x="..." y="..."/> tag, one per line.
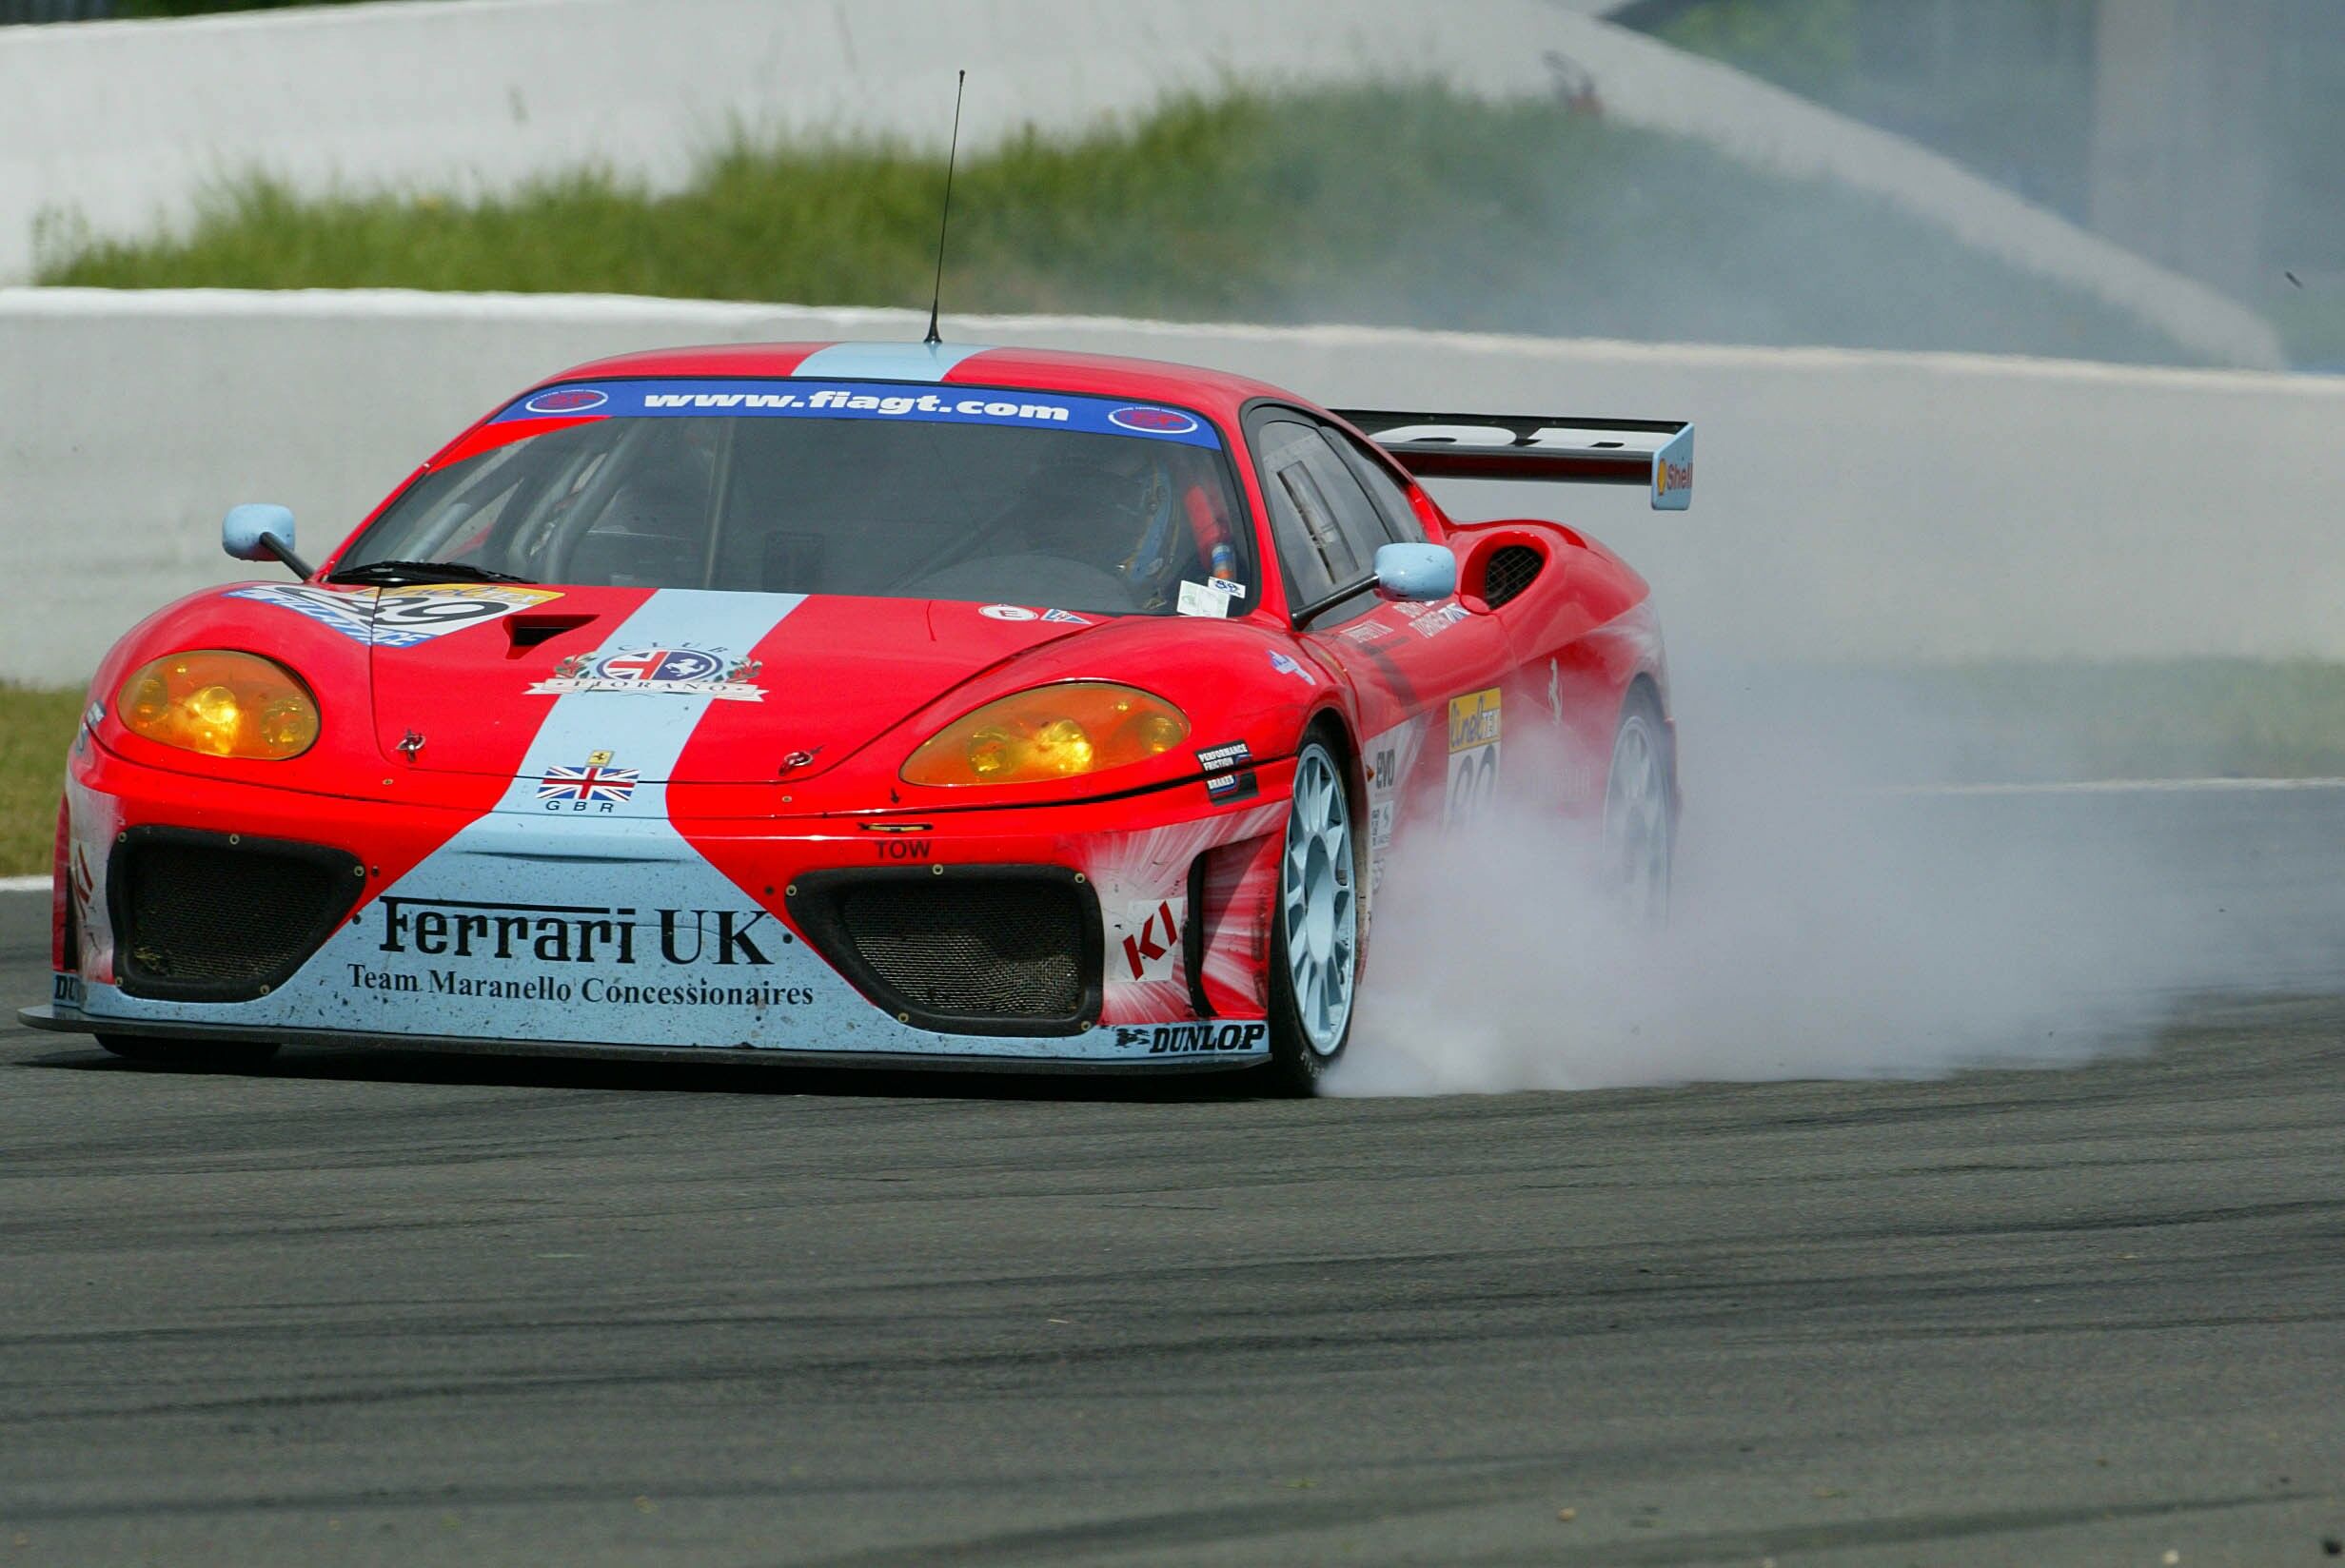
<point x="778" y="486"/>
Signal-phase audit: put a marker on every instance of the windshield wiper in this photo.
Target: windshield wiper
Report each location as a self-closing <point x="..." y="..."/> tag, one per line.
<point x="421" y="571"/>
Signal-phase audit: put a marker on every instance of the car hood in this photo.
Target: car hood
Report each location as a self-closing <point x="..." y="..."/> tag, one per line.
<point x="713" y="687"/>
<point x="722" y="694"/>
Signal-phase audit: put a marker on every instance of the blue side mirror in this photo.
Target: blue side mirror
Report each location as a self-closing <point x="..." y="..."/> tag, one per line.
<point x="245" y="527"/>
<point x="257" y="531"/>
<point x="1416" y="572"/>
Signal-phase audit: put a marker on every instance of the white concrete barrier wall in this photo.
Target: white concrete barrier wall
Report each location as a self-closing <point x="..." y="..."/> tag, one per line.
<point x="1849" y="507"/>
<point x="124" y="124"/>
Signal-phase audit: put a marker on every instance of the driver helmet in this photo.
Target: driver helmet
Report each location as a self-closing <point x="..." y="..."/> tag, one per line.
<point x="1111" y="506"/>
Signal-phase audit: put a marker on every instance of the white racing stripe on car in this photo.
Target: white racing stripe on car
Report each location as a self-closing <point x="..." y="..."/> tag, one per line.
<point x="646" y="732"/>
<point x="886" y="361"/>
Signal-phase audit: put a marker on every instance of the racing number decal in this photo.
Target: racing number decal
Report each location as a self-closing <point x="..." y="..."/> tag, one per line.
<point x="414" y="615"/>
<point x="427" y="612"/>
<point x="1473" y="759"/>
<point x="398" y="617"/>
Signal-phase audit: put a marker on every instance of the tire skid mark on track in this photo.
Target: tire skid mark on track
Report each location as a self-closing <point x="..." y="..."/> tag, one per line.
<point x="2108" y="786"/>
<point x="1729" y="1546"/>
<point x="1187" y="1527"/>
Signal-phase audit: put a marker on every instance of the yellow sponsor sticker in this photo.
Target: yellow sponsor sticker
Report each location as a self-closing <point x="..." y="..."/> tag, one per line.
<point x="1471" y="789"/>
<point x="1473" y="720"/>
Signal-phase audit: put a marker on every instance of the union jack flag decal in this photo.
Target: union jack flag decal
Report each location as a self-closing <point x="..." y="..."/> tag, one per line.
<point x="593" y="782"/>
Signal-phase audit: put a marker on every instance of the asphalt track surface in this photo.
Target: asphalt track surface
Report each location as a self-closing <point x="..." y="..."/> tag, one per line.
<point x="393" y="1308"/>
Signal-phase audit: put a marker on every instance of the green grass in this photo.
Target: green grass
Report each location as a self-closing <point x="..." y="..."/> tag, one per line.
<point x="2025" y="721"/>
<point x="2151" y="719"/>
<point x="35" y="728"/>
<point x="1409" y="206"/>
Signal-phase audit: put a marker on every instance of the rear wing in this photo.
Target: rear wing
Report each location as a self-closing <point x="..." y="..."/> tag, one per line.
<point x="1657" y="454"/>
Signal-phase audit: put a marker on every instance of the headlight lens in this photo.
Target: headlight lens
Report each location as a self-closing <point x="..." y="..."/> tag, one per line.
<point x="221" y="704"/>
<point x="1052" y="732"/>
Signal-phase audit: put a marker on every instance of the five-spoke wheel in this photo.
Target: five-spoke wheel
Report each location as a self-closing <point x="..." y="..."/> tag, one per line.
<point x="1317" y="930"/>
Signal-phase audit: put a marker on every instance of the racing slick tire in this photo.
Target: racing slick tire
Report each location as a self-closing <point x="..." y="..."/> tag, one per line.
<point x="1640" y="814"/>
<point x="1315" y="928"/>
<point x="228" y="1056"/>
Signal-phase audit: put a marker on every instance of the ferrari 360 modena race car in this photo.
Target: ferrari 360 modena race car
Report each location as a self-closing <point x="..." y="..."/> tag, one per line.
<point x="902" y="704"/>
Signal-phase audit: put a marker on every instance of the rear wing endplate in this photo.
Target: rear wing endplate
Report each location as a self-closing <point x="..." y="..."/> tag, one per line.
<point x="1657" y="454"/>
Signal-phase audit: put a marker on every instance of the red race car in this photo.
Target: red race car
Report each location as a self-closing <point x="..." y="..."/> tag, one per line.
<point x="876" y="703"/>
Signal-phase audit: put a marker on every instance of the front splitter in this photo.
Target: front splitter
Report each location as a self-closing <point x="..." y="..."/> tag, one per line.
<point x="72" y="1021"/>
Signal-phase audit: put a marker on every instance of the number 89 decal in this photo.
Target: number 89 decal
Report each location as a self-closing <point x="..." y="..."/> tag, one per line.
<point x="1473" y="759"/>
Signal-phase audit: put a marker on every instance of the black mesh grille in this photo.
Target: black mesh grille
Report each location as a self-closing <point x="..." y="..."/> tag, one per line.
<point x="1010" y="949"/>
<point x="1508" y="572"/>
<point x="197" y="915"/>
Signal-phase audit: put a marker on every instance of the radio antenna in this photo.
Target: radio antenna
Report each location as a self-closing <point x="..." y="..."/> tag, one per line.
<point x="936" y="299"/>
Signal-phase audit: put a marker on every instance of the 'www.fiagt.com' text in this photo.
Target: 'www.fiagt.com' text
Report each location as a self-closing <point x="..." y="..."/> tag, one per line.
<point x="860" y="403"/>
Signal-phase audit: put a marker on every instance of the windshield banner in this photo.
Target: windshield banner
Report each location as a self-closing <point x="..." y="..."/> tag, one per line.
<point x="803" y="400"/>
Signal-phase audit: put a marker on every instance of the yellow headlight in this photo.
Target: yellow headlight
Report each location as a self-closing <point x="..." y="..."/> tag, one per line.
<point x="220" y="703"/>
<point x="1052" y="732"/>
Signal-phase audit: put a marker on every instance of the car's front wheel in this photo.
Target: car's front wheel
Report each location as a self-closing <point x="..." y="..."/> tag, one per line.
<point x="1316" y="932"/>
<point x="192" y="1055"/>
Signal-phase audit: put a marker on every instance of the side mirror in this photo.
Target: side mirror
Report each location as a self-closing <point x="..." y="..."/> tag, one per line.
<point x="1416" y="572"/>
<point x="245" y="527"/>
<point x="257" y="531"/>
